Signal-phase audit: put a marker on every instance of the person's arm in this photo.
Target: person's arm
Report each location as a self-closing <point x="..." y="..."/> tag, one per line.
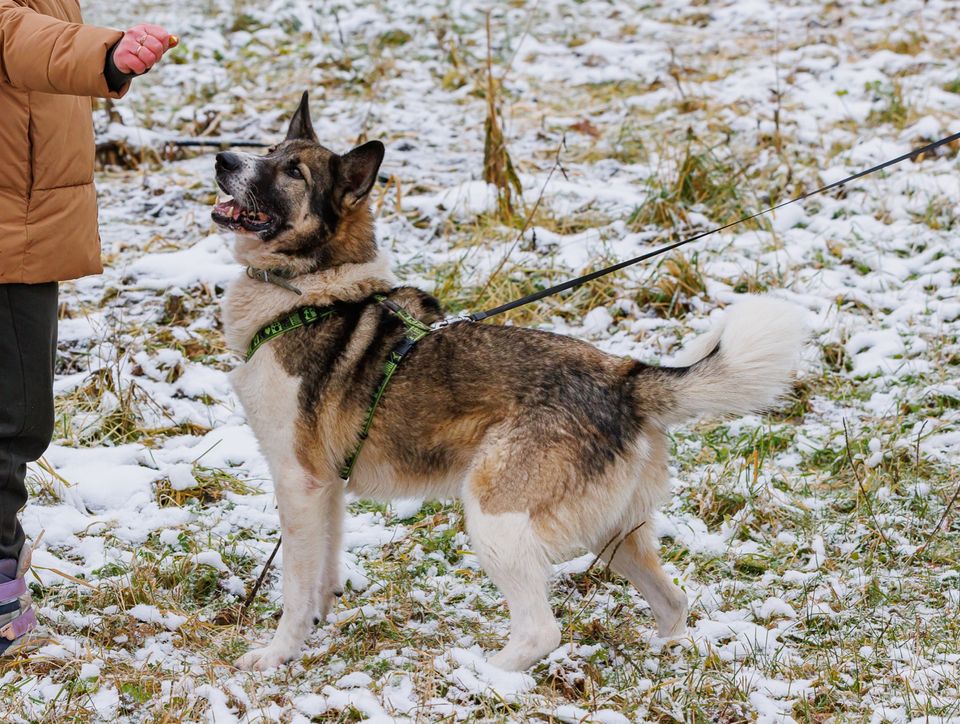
<point x="47" y="55"/>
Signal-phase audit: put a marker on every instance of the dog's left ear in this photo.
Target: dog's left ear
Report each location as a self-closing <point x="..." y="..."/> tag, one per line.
<point x="358" y="171"/>
<point x="301" y="127"/>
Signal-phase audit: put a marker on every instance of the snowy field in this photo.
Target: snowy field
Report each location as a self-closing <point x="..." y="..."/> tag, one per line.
<point x="822" y="567"/>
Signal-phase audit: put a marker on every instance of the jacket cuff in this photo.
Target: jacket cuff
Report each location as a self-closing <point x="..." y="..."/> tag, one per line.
<point x="85" y="68"/>
<point x="116" y="79"/>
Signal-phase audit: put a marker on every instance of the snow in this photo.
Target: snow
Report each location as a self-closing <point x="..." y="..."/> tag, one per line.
<point x="207" y="262"/>
<point x="212" y="559"/>
<point x="475" y="675"/>
<point x="150" y="614"/>
<point x="181" y="476"/>
<point x="116" y="488"/>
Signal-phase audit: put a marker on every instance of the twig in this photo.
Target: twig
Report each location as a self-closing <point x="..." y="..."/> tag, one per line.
<point x="526" y="224"/>
<point x="946" y="512"/>
<point x="863" y="491"/>
<point x="613" y="555"/>
<point x="263" y="574"/>
<point x="526" y="31"/>
<point x="673" y="70"/>
<point x="599" y="555"/>
<point x="916" y="459"/>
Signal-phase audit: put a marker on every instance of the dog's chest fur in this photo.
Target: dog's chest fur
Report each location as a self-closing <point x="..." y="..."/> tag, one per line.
<point x="269" y="398"/>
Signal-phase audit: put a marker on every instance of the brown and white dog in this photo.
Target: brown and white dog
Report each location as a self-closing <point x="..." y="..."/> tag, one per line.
<point x="551" y="444"/>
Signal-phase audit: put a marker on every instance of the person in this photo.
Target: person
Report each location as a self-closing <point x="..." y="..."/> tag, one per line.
<point x="51" y="65"/>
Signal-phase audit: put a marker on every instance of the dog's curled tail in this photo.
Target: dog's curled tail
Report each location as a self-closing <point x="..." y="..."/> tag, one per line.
<point x="742" y="365"/>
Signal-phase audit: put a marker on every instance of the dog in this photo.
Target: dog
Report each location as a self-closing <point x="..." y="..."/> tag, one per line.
<point x="551" y="444"/>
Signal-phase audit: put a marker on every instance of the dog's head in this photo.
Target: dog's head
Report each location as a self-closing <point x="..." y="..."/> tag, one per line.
<point x="300" y="206"/>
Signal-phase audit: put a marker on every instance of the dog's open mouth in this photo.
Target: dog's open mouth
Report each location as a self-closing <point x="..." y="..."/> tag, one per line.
<point x="231" y="215"/>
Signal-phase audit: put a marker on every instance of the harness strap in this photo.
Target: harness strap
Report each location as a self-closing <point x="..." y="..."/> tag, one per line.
<point x="302" y="317"/>
<point x="416" y="330"/>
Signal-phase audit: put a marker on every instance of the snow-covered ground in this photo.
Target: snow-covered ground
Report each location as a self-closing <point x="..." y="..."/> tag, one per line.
<point x="818" y="545"/>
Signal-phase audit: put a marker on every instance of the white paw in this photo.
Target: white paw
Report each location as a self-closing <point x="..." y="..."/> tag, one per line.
<point x="676" y="629"/>
<point x="679" y="630"/>
<point x="262" y="659"/>
<point x="521" y="653"/>
<point x="512" y="660"/>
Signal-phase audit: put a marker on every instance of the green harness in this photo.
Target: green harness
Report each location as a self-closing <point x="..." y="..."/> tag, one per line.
<point x="307" y="316"/>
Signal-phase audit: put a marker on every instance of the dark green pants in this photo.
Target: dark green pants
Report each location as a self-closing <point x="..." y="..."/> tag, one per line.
<point x="28" y="348"/>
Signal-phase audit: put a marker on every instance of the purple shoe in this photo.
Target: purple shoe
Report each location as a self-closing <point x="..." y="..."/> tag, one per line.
<point x="17" y="617"/>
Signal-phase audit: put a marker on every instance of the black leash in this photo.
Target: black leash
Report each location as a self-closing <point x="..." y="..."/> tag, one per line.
<point x="556" y="289"/>
<point x="217" y="142"/>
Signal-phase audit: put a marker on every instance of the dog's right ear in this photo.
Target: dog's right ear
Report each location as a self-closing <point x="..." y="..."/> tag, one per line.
<point x="301" y="127"/>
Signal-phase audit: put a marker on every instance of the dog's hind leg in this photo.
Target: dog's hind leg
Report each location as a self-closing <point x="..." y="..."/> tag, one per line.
<point x="637" y="561"/>
<point x="515" y="559"/>
<point x="306" y="509"/>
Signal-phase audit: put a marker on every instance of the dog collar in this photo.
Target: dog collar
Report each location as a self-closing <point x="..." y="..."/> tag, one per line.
<point x="277" y="277"/>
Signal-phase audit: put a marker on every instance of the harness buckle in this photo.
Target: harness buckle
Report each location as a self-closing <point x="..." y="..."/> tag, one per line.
<point x="447" y="321"/>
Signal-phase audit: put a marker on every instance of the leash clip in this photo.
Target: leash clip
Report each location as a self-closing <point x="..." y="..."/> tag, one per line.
<point x="447" y="321"/>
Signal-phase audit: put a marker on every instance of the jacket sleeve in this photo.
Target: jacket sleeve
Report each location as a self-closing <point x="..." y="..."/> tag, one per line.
<point x="43" y="54"/>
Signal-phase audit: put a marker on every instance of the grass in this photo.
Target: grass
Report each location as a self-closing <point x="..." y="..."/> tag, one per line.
<point x="600" y="610"/>
<point x="211" y="486"/>
<point x="892" y="107"/>
<point x="674" y="282"/>
<point x="697" y="180"/>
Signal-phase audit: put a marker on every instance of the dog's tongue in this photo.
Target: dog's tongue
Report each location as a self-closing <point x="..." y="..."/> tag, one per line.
<point x="228" y="208"/>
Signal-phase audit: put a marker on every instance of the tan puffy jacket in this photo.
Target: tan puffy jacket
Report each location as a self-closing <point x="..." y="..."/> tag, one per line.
<point x="50" y="66"/>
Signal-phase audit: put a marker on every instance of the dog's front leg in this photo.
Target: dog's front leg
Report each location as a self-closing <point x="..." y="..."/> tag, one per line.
<point x="311" y="538"/>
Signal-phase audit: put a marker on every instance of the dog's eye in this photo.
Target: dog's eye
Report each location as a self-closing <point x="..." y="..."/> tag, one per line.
<point x="293" y="171"/>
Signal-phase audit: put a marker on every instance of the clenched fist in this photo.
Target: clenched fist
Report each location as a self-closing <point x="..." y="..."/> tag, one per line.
<point x="141" y="47"/>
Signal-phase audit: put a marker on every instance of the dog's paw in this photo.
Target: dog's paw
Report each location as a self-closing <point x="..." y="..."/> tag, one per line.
<point x="677" y="631"/>
<point x="521" y="653"/>
<point x="675" y="626"/>
<point x="262" y="659"/>
<point x="510" y="660"/>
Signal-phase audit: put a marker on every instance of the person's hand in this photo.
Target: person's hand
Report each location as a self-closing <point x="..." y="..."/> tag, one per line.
<point x="141" y="47"/>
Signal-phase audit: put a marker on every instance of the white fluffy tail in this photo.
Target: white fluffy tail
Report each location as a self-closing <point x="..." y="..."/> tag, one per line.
<point x="741" y="366"/>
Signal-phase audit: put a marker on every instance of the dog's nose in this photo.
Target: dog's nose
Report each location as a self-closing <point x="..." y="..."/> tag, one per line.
<point x="227" y="161"/>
